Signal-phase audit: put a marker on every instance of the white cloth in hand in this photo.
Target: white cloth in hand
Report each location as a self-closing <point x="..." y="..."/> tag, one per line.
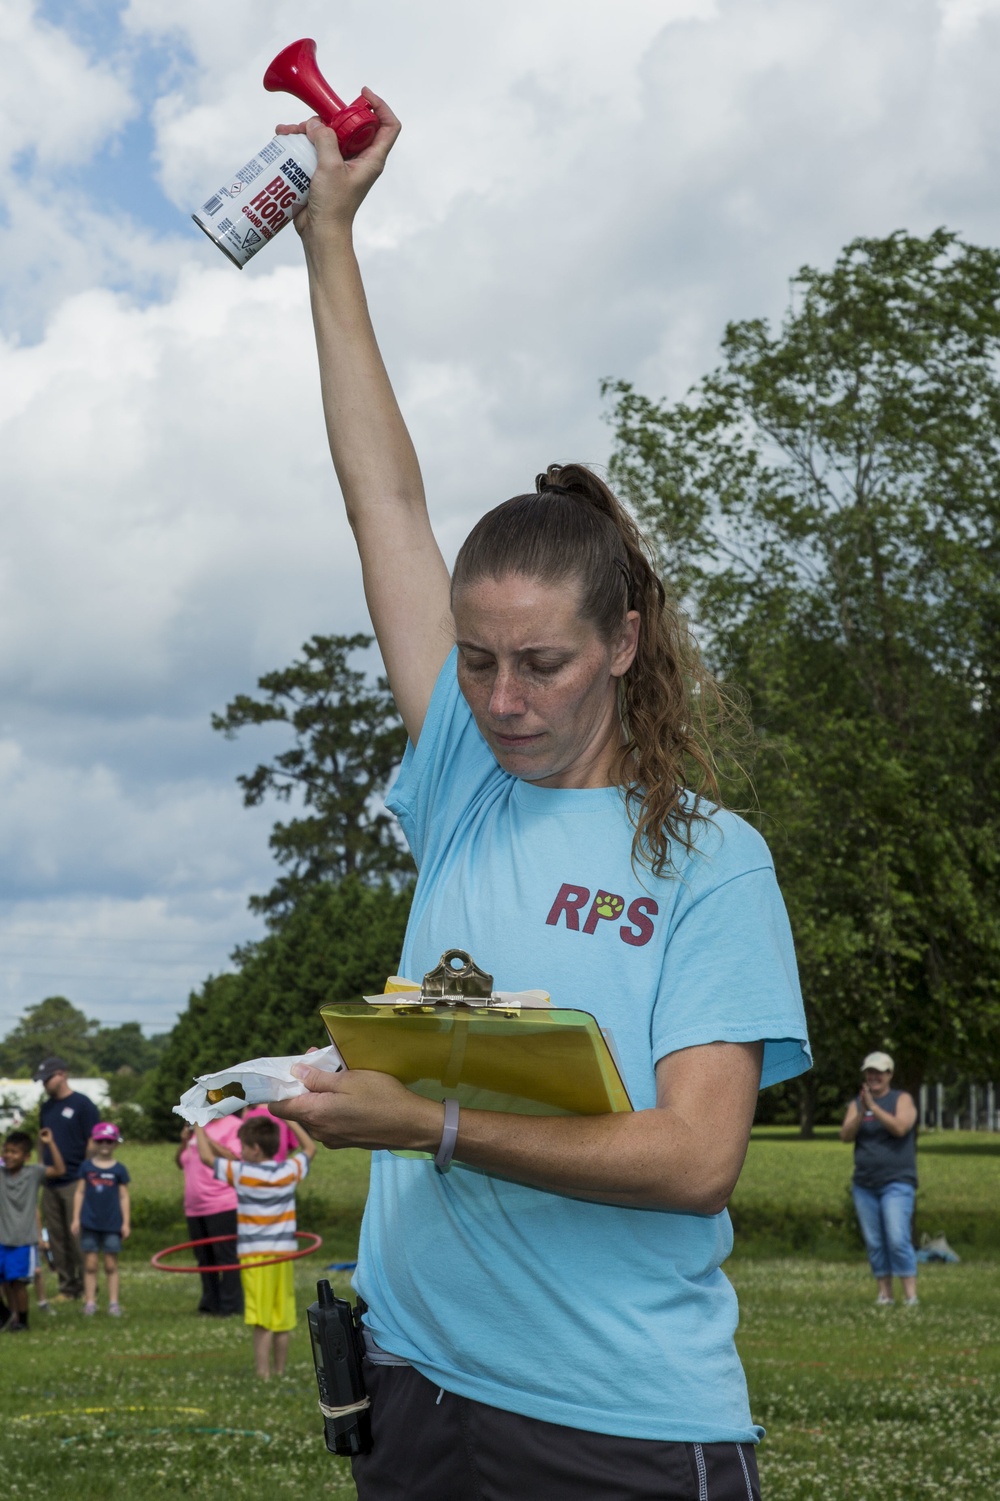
<point x="263" y="1079"/>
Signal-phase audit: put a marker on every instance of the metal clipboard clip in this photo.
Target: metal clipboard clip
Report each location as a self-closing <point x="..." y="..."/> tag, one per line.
<point x="457" y="981"/>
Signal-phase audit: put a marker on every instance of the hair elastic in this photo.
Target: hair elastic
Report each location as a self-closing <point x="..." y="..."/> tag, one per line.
<point x="449" y="1136"/>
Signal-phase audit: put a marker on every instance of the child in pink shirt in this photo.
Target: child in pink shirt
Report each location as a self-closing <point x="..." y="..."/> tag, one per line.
<point x="210" y="1208"/>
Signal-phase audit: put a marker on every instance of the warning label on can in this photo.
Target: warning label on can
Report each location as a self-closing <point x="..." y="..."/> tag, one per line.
<point x="267" y="206"/>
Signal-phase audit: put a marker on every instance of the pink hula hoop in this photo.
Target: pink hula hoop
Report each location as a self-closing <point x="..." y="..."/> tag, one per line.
<point x="236" y="1266"/>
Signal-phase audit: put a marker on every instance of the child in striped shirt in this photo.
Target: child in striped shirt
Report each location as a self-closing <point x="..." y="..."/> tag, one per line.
<point x="265" y="1218"/>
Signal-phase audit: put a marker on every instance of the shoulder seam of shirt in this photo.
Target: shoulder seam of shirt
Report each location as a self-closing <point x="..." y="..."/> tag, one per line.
<point x="740" y="875"/>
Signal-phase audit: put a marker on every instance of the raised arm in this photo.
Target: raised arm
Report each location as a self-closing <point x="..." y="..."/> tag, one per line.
<point x="208" y="1149"/>
<point x="405" y="578"/>
<point x="57" y="1167"/>
<point x="851" y="1124"/>
<point x="74" y="1228"/>
<point x="304" y="1140"/>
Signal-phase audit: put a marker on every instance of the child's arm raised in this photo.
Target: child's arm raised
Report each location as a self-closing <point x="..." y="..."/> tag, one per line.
<point x="305" y="1141"/>
<point x="208" y="1149"/>
<point x="223" y="1151"/>
<point x="74" y="1228"/>
<point x="57" y="1167"/>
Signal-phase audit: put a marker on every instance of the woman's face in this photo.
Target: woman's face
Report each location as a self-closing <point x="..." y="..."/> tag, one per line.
<point x="540" y="681"/>
<point x="878" y="1081"/>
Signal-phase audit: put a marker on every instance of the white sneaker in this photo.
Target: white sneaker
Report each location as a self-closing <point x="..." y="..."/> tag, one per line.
<point x="884" y="1301"/>
<point x="913" y="1302"/>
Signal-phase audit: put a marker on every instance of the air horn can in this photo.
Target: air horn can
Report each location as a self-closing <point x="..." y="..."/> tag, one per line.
<point x="261" y="198"/>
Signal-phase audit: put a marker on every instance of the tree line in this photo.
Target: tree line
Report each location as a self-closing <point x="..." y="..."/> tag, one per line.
<point x="56" y="1028"/>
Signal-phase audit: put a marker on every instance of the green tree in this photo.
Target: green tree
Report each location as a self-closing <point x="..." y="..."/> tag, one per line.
<point x="124" y="1047"/>
<point x="347" y="741"/>
<point x="54" y="1027"/>
<point x="827" y="503"/>
<point x="339" y="942"/>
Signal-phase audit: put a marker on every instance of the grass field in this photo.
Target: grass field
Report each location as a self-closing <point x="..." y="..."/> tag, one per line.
<point x="792" y="1195"/>
<point x="857" y="1401"/>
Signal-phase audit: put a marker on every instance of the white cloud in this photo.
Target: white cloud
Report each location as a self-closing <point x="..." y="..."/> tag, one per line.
<point x="55" y="101"/>
<point x="117" y="959"/>
<point x="487" y="95"/>
<point x="168" y="491"/>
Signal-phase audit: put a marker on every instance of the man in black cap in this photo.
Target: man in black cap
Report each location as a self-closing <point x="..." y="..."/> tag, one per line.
<point x="71" y="1117"/>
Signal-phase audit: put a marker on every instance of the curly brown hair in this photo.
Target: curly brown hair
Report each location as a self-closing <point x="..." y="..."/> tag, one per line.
<point x="573" y="527"/>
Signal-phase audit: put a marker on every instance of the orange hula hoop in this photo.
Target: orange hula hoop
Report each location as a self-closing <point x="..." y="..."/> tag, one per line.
<point x="212" y="1240"/>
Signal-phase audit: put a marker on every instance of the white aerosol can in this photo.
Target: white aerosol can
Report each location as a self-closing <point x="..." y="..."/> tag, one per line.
<point x="264" y="195"/>
<point x="260" y="198"/>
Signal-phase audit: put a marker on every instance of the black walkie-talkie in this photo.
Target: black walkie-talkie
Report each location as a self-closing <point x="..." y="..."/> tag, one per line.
<point x="338" y="1350"/>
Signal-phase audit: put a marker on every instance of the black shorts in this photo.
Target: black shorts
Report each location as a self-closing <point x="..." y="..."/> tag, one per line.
<point x="454" y="1449"/>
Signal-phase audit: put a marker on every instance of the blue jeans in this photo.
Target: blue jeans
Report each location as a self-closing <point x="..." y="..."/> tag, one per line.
<point x="108" y="1241"/>
<point x="886" y="1219"/>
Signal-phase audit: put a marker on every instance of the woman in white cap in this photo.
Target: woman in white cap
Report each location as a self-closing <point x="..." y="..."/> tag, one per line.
<point x="881" y="1122"/>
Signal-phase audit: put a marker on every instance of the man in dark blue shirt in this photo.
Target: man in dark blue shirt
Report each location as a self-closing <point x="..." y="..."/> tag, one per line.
<point x="71" y="1117"/>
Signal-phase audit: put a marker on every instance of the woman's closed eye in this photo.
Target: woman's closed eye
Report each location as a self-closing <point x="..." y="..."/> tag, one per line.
<point x="477" y="664"/>
<point x="543" y="669"/>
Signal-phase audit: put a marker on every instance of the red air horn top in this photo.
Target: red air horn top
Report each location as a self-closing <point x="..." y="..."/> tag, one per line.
<point x="294" y="71"/>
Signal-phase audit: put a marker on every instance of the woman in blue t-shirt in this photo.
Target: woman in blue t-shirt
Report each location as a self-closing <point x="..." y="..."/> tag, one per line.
<point x="549" y="1319"/>
<point x="882" y="1123"/>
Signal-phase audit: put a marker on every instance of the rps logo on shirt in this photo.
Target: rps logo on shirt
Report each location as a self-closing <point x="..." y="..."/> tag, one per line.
<point x="581" y="910"/>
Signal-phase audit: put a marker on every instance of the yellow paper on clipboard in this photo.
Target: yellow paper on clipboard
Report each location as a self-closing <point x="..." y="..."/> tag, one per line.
<point x="525" y="1061"/>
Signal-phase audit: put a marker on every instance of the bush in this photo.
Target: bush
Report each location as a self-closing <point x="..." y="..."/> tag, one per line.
<point x="132" y="1121"/>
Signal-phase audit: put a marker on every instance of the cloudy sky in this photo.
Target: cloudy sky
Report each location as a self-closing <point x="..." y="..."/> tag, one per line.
<point x="583" y="188"/>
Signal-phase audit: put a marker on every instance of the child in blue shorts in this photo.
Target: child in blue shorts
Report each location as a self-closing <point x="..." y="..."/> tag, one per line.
<point x="19" y="1184"/>
<point x="102" y="1214"/>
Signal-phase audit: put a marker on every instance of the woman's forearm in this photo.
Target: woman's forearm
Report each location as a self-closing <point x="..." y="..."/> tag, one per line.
<point x="405" y="578"/>
<point x="647" y="1160"/>
<point x="684" y="1155"/>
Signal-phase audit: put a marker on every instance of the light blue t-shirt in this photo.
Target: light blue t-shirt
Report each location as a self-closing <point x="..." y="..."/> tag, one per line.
<point x="593" y="1316"/>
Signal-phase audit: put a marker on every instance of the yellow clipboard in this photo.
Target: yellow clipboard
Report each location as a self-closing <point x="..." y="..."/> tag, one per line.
<point x="454" y="1038"/>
